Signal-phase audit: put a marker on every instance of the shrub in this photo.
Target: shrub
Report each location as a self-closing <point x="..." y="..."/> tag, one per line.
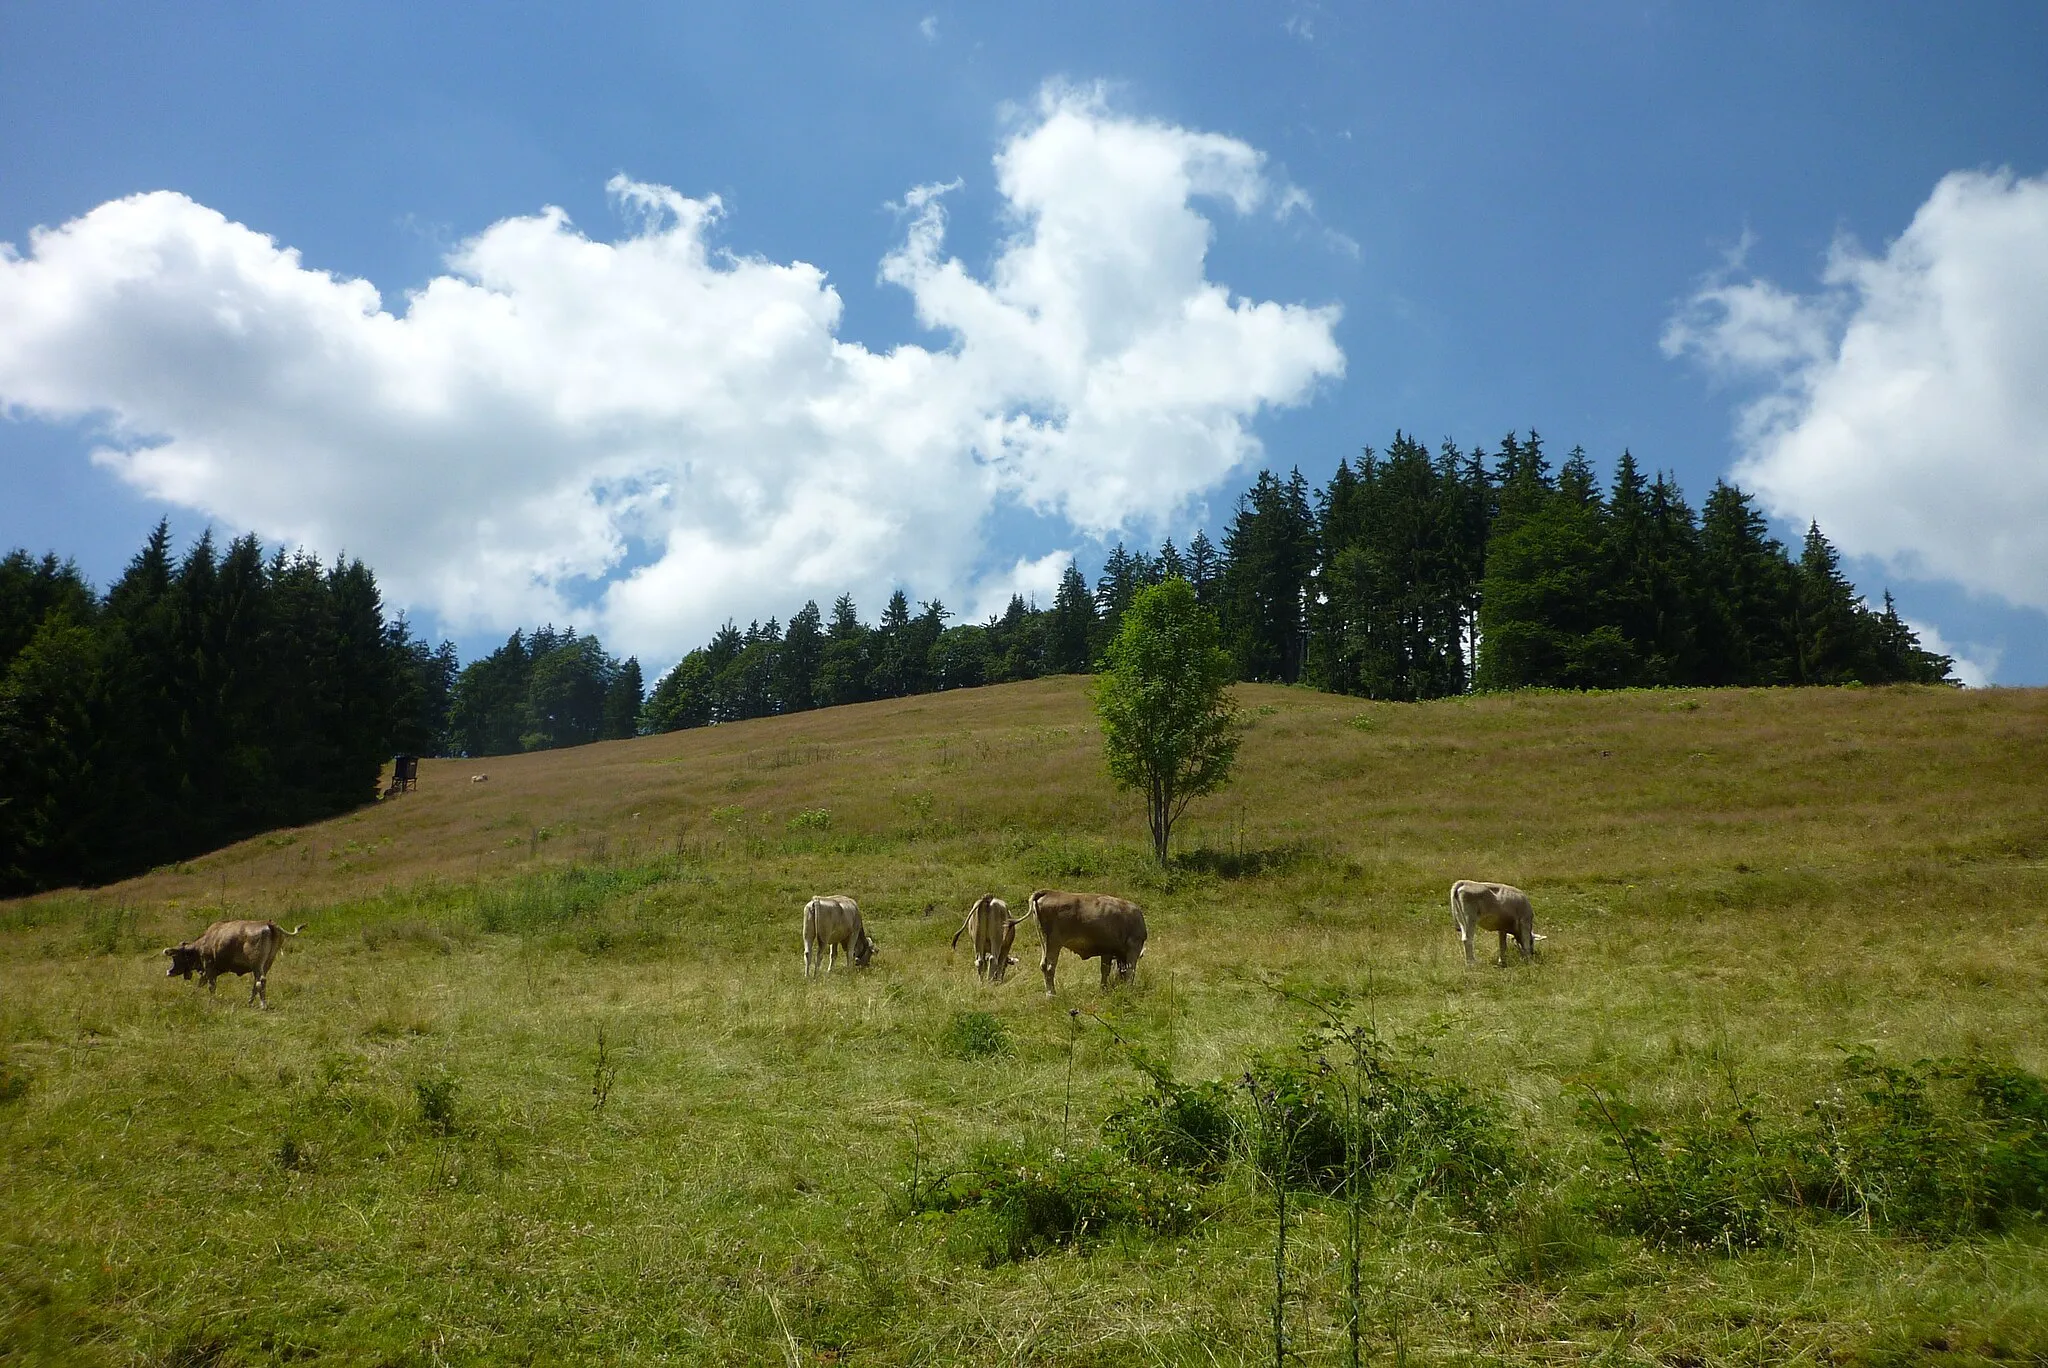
<point x="1703" y="1185"/>
<point x="1029" y="1201"/>
<point x="1415" y="1131"/>
<point x="1934" y="1147"/>
<point x="436" y="1097"/>
<point x="13" y="1081"/>
<point x="1186" y="1128"/>
<point x="975" y="1035"/>
<point x="812" y="819"/>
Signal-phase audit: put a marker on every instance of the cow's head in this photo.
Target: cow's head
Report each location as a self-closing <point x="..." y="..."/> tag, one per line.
<point x="184" y="961"/>
<point x="864" y="950"/>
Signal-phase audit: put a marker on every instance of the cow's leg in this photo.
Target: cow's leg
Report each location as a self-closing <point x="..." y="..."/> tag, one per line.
<point x="1503" y="959"/>
<point x="1465" y="936"/>
<point x="259" y="993"/>
<point x="807" y="956"/>
<point x="1107" y="962"/>
<point x="1046" y="966"/>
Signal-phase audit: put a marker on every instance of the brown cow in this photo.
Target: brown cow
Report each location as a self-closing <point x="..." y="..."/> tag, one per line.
<point x="992" y="930"/>
<point x="1477" y="906"/>
<point x="231" y="947"/>
<point x="830" y="922"/>
<point x="1093" y="926"/>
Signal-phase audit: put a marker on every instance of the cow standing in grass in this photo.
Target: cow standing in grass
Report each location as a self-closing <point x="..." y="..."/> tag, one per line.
<point x="830" y="922"/>
<point x="992" y="931"/>
<point x="231" y="947"/>
<point x="1093" y="926"/>
<point x="1477" y="906"/>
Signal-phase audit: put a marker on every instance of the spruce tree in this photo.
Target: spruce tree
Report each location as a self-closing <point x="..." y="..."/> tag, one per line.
<point x="1747" y="596"/>
<point x="1204" y="569"/>
<point x="1836" y="643"/>
<point x="1269" y="555"/>
<point x="843" y="665"/>
<point x="891" y="671"/>
<point x="801" y="657"/>
<point x="1900" y="658"/>
<point x="1545" y="616"/>
<point x="1170" y="564"/>
<point x="622" y="702"/>
<point x="1070" y="629"/>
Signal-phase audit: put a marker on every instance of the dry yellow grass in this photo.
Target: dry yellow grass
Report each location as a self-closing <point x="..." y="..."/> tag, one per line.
<point x="1756" y="878"/>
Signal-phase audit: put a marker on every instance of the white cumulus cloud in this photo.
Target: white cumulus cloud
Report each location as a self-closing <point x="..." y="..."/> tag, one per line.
<point x="1905" y="407"/>
<point x="651" y="433"/>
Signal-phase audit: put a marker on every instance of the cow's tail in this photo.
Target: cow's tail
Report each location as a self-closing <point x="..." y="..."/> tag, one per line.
<point x="293" y="932"/>
<point x="968" y="921"/>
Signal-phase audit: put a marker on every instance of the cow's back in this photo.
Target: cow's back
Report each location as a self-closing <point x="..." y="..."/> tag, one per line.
<point x="237" y="947"/>
<point x="832" y="917"/>
<point x="1090" y="924"/>
<point x="1491" y="906"/>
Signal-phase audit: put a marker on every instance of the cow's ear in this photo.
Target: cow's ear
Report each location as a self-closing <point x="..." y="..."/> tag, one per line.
<point x="172" y="950"/>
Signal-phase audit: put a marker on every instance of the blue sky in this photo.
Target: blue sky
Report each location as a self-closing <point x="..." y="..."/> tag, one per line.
<point x="1804" y="243"/>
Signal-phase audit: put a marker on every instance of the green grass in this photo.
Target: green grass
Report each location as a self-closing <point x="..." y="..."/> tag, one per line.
<point x="405" y="1161"/>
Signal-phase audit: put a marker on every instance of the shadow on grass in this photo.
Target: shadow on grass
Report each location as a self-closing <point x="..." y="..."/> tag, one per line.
<point x="1243" y="864"/>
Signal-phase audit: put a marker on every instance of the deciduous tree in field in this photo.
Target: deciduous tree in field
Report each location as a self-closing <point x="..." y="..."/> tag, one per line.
<point x="1168" y="726"/>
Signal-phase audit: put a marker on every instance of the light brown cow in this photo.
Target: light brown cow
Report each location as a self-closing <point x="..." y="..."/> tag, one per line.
<point x="1477" y="906"/>
<point x="830" y="922"/>
<point x="1093" y="926"/>
<point x="231" y="947"/>
<point x="992" y="931"/>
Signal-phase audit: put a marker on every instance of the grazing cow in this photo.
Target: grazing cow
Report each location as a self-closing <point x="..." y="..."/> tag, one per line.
<point x="830" y="922"/>
<point x="1477" y="906"/>
<point x="992" y="931"/>
<point x="485" y="778"/>
<point x="231" y="947"/>
<point x="1093" y="926"/>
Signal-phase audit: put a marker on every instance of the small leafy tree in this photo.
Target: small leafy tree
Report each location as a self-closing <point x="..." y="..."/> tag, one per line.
<point x="1168" y="726"/>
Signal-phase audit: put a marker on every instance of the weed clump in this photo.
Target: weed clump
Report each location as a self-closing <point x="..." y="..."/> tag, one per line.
<point x="1939" y="1148"/>
<point x="1352" y="1102"/>
<point x="1185" y="1128"/>
<point x="14" y="1081"/>
<point x="1026" y="1201"/>
<point x="975" y="1035"/>
<point x="812" y="819"/>
<point x="436" y="1099"/>
<point x="293" y="1155"/>
<point x="1705" y="1184"/>
<point x="110" y="930"/>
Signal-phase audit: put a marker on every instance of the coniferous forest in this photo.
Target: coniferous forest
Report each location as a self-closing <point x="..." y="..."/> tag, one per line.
<point x="201" y="699"/>
<point x="1408" y="576"/>
<point x="207" y="697"/>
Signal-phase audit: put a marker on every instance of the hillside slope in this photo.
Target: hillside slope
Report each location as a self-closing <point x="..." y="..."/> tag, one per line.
<point x="543" y="1082"/>
<point x="1546" y="787"/>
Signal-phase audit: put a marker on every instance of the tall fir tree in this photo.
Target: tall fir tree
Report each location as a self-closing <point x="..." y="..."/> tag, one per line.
<point x="1070" y="628"/>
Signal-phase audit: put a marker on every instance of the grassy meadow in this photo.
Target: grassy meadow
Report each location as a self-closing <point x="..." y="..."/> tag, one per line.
<point x="542" y="1081"/>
